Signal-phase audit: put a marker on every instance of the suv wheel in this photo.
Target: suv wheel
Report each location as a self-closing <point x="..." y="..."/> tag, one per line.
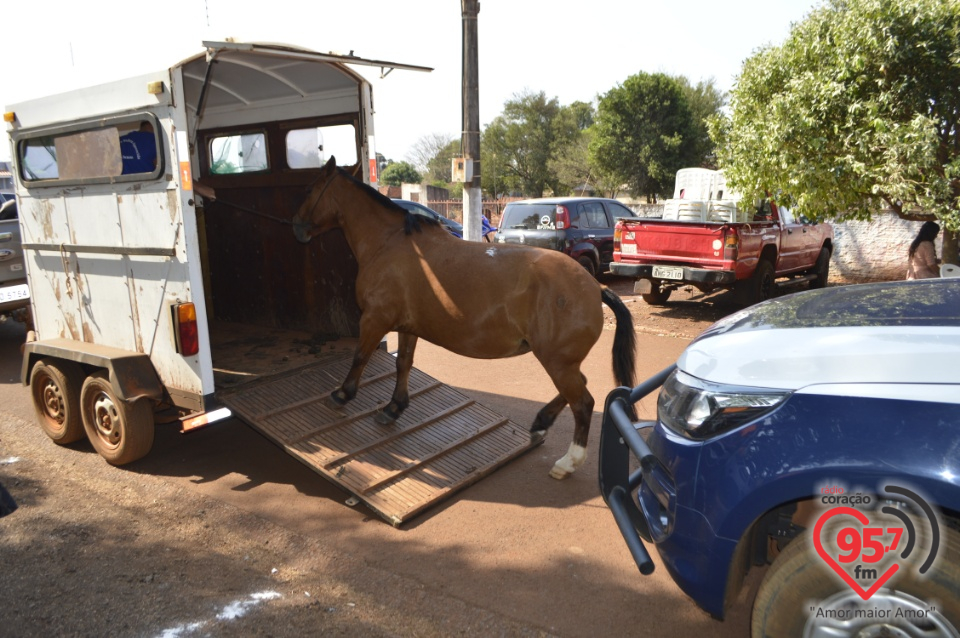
<point x="588" y="265"/>
<point x="799" y="578"/>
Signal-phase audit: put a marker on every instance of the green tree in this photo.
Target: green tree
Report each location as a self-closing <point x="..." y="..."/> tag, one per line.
<point x="523" y="138"/>
<point x="857" y="110"/>
<point x="426" y="149"/>
<point x="440" y="167"/>
<point x="644" y="133"/>
<point x="400" y="173"/>
<point x="705" y="101"/>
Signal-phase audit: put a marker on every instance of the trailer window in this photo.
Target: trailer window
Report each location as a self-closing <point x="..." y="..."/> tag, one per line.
<point x="241" y="153"/>
<point x="311" y="147"/>
<point x="97" y="154"/>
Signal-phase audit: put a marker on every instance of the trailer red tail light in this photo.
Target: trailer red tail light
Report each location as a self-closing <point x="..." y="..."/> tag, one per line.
<point x="562" y="218"/>
<point x="188" y="339"/>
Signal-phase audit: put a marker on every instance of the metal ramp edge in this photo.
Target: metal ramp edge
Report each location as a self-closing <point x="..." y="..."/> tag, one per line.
<point x="442" y="443"/>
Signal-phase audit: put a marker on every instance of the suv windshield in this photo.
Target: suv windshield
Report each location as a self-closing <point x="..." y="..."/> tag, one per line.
<point x="528" y="216"/>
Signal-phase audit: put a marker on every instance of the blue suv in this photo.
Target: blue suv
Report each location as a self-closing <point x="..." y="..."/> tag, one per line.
<point x="784" y="432"/>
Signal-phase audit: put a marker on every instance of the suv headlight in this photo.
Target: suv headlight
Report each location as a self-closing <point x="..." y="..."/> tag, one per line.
<point x="698" y="409"/>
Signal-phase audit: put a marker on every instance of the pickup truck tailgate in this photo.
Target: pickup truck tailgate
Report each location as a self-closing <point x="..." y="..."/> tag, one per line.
<point x="659" y="241"/>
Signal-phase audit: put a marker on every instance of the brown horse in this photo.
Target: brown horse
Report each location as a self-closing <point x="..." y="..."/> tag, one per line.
<point x="478" y="300"/>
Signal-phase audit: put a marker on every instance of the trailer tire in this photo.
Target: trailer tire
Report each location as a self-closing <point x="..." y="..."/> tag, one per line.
<point x="120" y="431"/>
<point x="55" y="389"/>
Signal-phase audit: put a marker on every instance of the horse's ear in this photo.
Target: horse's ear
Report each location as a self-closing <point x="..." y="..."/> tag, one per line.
<point x="332" y="162"/>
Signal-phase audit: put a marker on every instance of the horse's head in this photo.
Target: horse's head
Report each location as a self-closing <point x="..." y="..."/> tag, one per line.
<point x="317" y="214"/>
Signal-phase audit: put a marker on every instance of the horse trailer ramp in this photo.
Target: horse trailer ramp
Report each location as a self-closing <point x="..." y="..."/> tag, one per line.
<point x="443" y="442"/>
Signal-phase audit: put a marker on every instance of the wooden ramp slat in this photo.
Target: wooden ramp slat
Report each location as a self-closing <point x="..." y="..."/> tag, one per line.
<point x="442" y="443"/>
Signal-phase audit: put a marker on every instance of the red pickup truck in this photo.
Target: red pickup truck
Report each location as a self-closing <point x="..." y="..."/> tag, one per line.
<point x="749" y="255"/>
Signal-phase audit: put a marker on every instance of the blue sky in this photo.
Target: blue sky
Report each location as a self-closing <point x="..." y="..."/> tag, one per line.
<point x="571" y="51"/>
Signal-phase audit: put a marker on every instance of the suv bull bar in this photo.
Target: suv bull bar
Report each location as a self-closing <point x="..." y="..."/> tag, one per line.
<point x="620" y="437"/>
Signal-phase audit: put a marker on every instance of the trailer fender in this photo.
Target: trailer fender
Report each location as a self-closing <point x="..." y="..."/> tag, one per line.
<point x="132" y="374"/>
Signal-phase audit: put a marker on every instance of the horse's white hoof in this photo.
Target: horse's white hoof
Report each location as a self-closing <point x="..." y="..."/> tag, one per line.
<point x="559" y="472"/>
<point x="536" y="436"/>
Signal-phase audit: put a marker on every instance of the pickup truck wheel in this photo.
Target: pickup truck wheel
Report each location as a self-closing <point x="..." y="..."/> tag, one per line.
<point x="821" y="269"/>
<point x="120" y="431"/>
<point x="588" y="265"/>
<point x="657" y="297"/>
<point x="759" y="287"/>
<point x="55" y="389"/>
<point x="799" y="580"/>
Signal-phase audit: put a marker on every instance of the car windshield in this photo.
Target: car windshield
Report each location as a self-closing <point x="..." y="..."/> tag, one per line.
<point x="528" y="216"/>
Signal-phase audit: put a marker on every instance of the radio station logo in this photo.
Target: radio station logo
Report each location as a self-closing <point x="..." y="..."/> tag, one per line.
<point x="867" y="547"/>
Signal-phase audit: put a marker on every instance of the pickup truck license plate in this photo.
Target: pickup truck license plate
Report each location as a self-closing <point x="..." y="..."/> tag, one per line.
<point x="668" y="272"/>
<point x="13" y="293"/>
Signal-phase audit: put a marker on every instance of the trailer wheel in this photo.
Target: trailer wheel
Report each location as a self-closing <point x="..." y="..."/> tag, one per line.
<point x="55" y="388"/>
<point x="120" y="431"/>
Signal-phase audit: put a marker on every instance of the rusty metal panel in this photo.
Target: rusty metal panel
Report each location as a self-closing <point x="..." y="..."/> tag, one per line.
<point x="442" y="443"/>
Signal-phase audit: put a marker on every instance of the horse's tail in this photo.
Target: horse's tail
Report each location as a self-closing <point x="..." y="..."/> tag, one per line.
<point x="624" y="340"/>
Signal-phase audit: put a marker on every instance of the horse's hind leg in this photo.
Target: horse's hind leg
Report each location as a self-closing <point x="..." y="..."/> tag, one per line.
<point x="573" y="387"/>
<point x="545" y="418"/>
<point x="406" y="344"/>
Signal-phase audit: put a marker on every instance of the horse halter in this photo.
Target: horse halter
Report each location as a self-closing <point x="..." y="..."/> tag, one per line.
<point x="300" y="228"/>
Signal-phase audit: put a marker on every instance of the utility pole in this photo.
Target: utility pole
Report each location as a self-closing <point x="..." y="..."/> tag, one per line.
<point x="472" y="204"/>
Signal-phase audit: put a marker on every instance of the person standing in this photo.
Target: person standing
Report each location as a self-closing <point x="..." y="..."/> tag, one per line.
<point x="923" y="262"/>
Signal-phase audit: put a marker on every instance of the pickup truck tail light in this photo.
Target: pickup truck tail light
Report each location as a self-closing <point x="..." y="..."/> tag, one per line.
<point x="562" y="218"/>
<point x="185" y="320"/>
<point x="731" y="246"/>
<point x="617" y="236"/>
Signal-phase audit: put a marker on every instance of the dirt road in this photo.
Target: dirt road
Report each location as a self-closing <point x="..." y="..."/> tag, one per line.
<point x="220" y="533"/>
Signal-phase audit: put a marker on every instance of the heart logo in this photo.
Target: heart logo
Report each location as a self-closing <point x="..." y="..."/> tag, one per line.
<point x="829" y="560"/>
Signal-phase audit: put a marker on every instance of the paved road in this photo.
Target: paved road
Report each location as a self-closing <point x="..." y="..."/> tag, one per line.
<point x="208" y="520"/>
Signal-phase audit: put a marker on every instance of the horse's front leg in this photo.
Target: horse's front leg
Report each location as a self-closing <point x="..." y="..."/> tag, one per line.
<point x="406" y="344"/>
<point x="371" y="334"/>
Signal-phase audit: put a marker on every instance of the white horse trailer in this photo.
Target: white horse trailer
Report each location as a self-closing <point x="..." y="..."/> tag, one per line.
<point x="164" y="275"/>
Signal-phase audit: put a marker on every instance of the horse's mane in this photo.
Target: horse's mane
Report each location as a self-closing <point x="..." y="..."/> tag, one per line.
<point x="411" y="221"/>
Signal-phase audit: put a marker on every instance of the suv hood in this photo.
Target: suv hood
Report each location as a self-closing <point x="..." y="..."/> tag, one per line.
<point x="892" y="333"/>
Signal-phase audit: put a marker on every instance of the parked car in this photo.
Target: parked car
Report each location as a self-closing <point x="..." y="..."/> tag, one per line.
<point x="453" y="227"/>
<point x="14" y="292"/>
<point x="581" y="227"/>
<point x="842" y="390"/>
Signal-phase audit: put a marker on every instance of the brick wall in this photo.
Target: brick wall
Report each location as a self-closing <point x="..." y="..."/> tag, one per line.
<point x="874" y="250"/>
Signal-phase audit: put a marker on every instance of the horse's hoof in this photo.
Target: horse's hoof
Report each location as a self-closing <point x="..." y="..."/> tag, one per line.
<point x="331" y="402"/>
<point x="383" y="418"/>
<point x="536" y="436"/>
<point x="559" y="473"/>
